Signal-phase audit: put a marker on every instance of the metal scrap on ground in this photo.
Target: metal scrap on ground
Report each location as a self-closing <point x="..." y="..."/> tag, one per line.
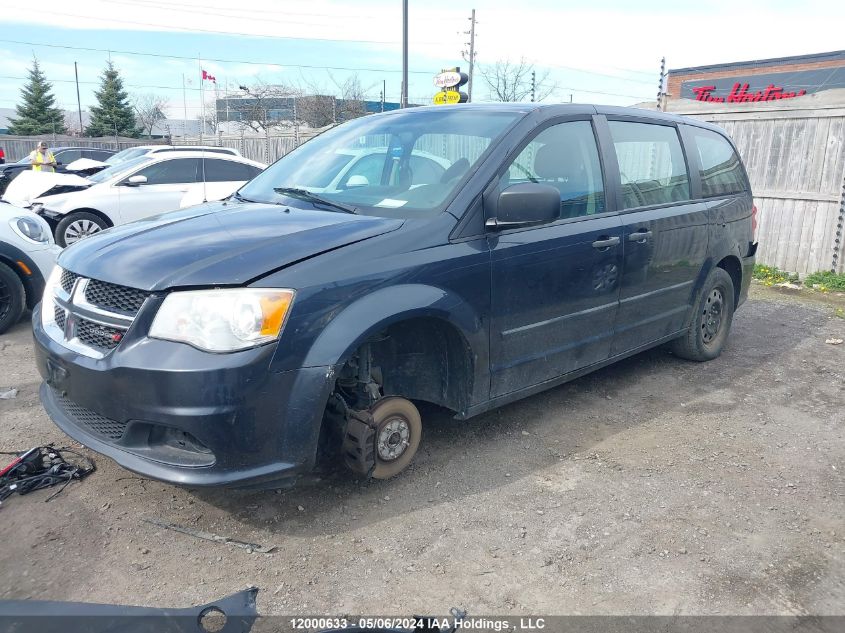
<point x="208" y="536"/>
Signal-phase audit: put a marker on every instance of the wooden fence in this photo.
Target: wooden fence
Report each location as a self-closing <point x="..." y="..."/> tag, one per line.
<point x="796" y="162"/>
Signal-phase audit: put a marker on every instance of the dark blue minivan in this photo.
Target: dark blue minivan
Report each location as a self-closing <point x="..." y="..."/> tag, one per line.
<point x="465" y="256"/>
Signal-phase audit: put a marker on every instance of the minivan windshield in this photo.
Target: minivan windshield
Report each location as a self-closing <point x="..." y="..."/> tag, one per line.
<point x="110" y="172"/>
<point x="403" y="164"/>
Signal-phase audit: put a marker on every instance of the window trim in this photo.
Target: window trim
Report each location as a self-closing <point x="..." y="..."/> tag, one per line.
<point x="490" y="200"/>
<point x="123" y="180"/>
<point x="610" y="150"/>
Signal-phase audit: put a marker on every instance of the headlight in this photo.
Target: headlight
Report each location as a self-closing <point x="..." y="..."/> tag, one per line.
<point x="31" y="229"/>
<point x="223" y="320"/>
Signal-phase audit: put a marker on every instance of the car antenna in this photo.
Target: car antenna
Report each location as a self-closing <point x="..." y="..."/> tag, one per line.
<point x="204" y="191"/>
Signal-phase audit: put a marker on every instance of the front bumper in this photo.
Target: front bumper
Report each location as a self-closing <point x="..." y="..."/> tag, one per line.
<point x="173" y="413"/>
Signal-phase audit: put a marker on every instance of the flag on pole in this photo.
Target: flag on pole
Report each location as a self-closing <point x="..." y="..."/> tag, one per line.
<point x="206" y="76"/>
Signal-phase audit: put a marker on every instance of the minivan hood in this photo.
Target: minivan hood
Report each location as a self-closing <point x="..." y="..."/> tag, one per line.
<point x="217" y="244"/>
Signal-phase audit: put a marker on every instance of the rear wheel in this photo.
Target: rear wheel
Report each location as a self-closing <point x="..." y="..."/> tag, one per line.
<point x="711" y="319"/>
<point x="12" y="298"/>
<point x="75" y="226"/>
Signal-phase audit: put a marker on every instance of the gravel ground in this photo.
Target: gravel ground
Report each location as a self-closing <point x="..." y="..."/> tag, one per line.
<point x="653" y="486"/>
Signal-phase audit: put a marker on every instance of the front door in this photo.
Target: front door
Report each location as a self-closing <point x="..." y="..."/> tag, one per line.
<point x="665" y="233"/>
<point x="167" y="183"/>
<point x="555" y="288"/>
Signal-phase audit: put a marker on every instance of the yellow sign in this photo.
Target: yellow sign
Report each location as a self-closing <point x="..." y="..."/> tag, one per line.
<point x="447" y="97"/>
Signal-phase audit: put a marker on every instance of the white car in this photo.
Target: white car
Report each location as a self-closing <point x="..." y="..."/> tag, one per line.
<point x="27" y="256"/>
<point x="142" y="187"/>
<point x="361" y="167"/>
<point x="144" y="150"/>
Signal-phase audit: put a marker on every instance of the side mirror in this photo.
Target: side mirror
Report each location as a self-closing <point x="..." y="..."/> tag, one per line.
<point x="135" y="181"/>
<point x="525" y="204"/>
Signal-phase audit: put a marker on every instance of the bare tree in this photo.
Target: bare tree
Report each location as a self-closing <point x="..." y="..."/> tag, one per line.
<point x="319" y="106"/>
<point x="210" y="119"/>
<point x="264" y="107"/>
<point x="511" y="81"/>
<point x="149" y="110"/>
<point x="72" y="123"/>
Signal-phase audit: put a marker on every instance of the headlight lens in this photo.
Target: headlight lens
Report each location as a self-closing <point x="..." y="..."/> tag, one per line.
<point x="223" y="320"/>
<point x="31" y="229"/>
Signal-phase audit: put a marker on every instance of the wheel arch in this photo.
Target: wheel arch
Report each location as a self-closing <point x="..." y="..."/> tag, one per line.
<point x="96" y="212"/>
<point x="410" y="314"/>
<point x="733" y="266"/>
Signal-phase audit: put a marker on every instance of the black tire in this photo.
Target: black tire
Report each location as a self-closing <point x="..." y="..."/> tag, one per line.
<point x="12" y="298"/>
<point x="78" y="225"/>
<point x="710" y="321"/>
<point x="401" y="412"/>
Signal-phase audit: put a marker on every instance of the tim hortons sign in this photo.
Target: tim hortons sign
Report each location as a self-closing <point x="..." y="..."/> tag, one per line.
<point x="740" y="94"/>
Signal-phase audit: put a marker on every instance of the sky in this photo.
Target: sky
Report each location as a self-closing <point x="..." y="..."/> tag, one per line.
<point x="602" y="51"/>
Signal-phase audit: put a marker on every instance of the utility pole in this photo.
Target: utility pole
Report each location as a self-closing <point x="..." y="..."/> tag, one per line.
<point x="471" y="59"/>
<point x="660" y="93"/>
<point x="403" y="102"/>
<point x="78" y="100"/>
<point x="383" y="93"/>
<point x="533" y="85"/>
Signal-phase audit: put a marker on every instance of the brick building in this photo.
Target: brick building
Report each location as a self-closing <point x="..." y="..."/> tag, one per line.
<point x="761" y="80"/>
<point x="787" y="118"/>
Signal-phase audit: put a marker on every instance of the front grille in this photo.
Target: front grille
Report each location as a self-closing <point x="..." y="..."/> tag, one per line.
<point x="114" y="297"/>
<point x="67" y="280"/>
<point x="94" y="422"/>
<point x="60" y="317"/>
<point x="101" y="337"/>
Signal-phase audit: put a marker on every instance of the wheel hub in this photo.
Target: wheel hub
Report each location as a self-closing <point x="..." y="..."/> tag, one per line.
<point x="79" y="229"/>
<point x="393" y="439"/>
<point x="711" y="321"/>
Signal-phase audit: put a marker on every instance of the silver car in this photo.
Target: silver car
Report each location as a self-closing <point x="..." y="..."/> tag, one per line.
<point x="27" y="256"/>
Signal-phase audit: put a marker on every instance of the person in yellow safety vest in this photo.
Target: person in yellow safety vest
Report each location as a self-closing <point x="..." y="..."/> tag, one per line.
<point x="42" y="159"/>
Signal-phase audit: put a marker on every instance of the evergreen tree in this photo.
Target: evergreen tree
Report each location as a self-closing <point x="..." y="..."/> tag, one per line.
<point x="113" y="113"/>
<point x="37" y="114"/>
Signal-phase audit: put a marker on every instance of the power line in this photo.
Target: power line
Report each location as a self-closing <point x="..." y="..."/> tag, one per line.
<point x="213" y="59"/>
<point x="203" y="9"/>
<point x="179" y="29"/>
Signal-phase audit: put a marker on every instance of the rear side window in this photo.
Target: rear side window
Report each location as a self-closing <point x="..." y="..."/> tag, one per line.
<point x="227" y="171"/>
<point x="95" y="154"/>
<point x="721" y="170"/>
<point x="68" y="156"/>
<point x="651" y="164"/>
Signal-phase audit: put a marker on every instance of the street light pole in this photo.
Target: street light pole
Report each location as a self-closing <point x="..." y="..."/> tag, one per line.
<point x="404" y="100"/>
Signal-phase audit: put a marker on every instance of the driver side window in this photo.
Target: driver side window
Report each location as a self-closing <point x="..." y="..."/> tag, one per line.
<point x="171" y="172"/>
<point x="564" y="156"/>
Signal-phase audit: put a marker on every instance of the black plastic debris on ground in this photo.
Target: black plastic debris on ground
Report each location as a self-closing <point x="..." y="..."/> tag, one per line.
<point x="232" y="614"/>
<point x="43" y="467"/>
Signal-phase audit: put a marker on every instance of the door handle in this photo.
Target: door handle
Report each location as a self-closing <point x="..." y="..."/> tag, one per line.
<point x="640" y="236"/>
<point x="606" y="242"/>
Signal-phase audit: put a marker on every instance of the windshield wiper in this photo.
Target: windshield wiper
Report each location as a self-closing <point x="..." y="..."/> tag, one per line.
<point x="304" y="194"/>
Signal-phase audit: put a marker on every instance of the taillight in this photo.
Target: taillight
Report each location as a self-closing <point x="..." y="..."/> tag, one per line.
<point x="2" y="154"/>
<point x="754" y="223"/>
